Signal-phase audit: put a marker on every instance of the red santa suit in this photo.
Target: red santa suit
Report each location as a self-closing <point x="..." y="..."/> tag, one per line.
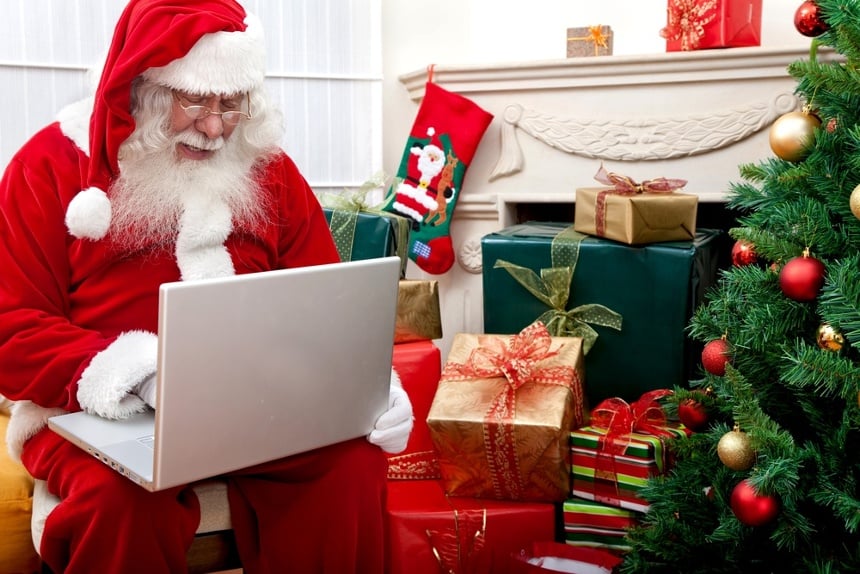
<point x="78" y="319"/>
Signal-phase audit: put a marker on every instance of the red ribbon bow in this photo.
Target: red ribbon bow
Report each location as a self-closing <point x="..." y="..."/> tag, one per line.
<point x="519" y="362"/>
<point x="644" y="416"/>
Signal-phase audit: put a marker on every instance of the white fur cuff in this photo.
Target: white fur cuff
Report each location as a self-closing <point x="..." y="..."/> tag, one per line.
<point x="27" y="419"/>
<point x="106" y="383"/>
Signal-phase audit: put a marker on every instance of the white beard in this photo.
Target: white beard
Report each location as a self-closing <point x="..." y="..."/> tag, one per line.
<point x="149" y="196"/>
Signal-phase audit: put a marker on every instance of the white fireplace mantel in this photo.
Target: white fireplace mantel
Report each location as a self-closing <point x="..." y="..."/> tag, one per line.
<point x="689" y="115"/>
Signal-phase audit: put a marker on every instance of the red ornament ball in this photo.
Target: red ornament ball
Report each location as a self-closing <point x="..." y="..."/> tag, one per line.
<point x="743" y="253"/>
<point x="807" y="20"/>
<point x="715" y="355"/>
<point x="802" y="278"/>
<point x="752" y="508"/>
<point x="692" y="414"/>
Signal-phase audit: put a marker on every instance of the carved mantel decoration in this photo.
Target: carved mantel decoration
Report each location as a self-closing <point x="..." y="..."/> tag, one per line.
<point x="694" y="115"/>
<point x="635" y="139"/>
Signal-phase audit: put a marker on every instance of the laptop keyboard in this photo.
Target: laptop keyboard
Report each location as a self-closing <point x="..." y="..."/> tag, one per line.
<point x="147" y="441"/>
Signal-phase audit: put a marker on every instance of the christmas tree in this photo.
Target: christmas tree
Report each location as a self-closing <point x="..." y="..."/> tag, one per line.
<point x="770" y="480"/>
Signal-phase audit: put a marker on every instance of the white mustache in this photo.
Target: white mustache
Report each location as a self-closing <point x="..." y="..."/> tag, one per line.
<point x="200" y="142"/>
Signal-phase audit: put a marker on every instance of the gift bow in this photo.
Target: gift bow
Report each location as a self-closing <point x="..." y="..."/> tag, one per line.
<point x="645" y="416"/>
<point x="686" y="21"/>
<point x="626" y="185"/>
<point x="519" y="363"/>
<point x="553" y="289"/>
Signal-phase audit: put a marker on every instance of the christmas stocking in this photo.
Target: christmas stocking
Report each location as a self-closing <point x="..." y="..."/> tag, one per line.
<point x="440" y="147"/>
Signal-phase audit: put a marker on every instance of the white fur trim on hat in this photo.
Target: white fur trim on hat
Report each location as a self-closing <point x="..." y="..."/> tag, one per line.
<point x="26" y="420"/>
<point x="88" y="215"/>
<point x="105" y="384"/>
<point x="219" y="63"/>
<point x="75" y="122"/>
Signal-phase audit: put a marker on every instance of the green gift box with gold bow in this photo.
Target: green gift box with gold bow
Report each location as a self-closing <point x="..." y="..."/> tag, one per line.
<point x="631" y="304"/>
<point x="369" y="236"/>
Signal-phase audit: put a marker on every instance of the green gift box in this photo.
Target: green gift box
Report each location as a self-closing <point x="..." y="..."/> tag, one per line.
<point x="654" y="288"/>
<point x="361" y="235"/>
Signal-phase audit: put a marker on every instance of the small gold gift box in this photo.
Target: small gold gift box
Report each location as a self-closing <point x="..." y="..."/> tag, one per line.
<point x="418" y="316"/>
<point x="502" y="414"/>
<point x="636" y="218"/>
<point x="589" y="41"/>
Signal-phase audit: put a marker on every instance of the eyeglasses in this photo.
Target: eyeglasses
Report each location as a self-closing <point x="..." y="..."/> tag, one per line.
<point x="198" y="112"/>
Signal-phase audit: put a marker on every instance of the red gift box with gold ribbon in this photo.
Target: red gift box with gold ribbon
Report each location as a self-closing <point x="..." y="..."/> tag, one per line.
<point x="501" y="417"/>
<point x="636" y="213"/>
<point x="625" y="445"/>
<point x="419" y="365"/>
<point x="705" y="24"/>
<point x="430" y="532"/>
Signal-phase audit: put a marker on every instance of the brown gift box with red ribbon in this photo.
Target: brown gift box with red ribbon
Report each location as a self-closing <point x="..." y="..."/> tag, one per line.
<point x="624" y="445"/>
<point x="502" y="414"/>
<point x="636" y="213"/>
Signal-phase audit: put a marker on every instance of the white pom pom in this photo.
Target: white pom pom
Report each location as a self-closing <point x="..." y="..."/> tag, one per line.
<point x="88" y="215"/>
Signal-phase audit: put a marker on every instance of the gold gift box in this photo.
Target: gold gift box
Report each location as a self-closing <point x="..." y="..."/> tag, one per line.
<point x="418" y="315"/>
<point x="522" y="455"/>
<point x="589" y="41"/>
<point x="636" y="218"/>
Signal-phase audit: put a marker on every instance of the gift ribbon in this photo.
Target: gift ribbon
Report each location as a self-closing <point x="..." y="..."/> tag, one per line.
<point x="620" y="420"/>
<point x="596" y="37"/>
<point x="552" y="288"/>
<point x="421" y="465"/>
<point x="458" y="551"/>
<point x="623" y="185"/>
<point x="344" y="218"/>
<point x="519" y="362"/>
<point x="686" y="21"/>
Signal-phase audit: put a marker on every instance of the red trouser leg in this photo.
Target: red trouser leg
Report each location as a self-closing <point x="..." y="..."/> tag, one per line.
<point x="314" y="513"/>
<point x="106" y="523"/>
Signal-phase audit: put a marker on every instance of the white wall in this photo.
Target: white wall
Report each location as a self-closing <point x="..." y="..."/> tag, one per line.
<point x="473" y="32"/>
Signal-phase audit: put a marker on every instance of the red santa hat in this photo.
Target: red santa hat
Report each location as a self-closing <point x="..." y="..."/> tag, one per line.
<point x="197" y="46"/>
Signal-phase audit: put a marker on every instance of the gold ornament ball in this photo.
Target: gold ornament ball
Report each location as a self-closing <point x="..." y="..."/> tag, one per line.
<point x="735" y="451"/>
<point x="792" y="135"/>
<point x="829" y="339"/>
<point x="854" y="202"/>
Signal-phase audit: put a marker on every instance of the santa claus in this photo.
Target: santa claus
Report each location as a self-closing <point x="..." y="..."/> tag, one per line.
<point x="179" y="176"/>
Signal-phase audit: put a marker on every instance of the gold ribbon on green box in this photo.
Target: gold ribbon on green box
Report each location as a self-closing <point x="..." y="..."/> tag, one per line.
<point x="344" y="217"/>
<point x="552" y="288"/>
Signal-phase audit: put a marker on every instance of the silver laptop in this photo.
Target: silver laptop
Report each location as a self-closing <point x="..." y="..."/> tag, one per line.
<point x="253" y="368"/>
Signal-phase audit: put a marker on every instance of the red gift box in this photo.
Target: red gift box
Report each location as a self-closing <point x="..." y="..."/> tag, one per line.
<point x="704" y="24"/>
<point x="430" y="532"/>
<point x="419" y="365"/>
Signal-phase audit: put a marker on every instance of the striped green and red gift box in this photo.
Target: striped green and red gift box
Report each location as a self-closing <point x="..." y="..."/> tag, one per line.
<point x="596" y="525"/>
<point x="614" y="474"/>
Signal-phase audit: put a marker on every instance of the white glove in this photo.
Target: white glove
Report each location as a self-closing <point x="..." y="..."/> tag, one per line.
<point x="392" y="428"/>
<point x="145" y="389"/>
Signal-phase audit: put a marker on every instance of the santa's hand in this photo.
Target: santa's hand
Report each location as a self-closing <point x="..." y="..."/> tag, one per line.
<point x="392" y="428"/>
<point x="146" y="390"/>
